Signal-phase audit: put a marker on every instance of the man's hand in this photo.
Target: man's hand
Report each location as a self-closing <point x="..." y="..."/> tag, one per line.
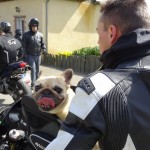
<point x="44" y="51"/>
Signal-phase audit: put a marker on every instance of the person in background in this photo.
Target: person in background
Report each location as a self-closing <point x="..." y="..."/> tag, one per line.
<point x="112" y="105"/>
<point x="10" y="47"/>
<point x="18" y="34"/>
<point x="34" y="46"/>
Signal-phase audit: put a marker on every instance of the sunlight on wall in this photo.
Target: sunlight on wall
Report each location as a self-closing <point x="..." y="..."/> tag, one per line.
<point x="75" y="28"/>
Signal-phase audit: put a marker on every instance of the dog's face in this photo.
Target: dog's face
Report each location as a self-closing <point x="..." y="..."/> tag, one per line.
<point x="52" y="93"/>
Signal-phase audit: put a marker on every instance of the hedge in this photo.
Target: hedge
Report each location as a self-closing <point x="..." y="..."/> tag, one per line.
<point x="83" y="64"/>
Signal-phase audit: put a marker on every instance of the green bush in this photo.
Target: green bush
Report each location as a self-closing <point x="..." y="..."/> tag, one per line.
<point x="87" y="51"/>
<point x="66" y="53"/>
<point x="82" y="52"/>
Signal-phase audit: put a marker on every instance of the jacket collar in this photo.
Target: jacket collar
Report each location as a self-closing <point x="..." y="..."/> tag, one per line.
<point x="133" y="45"/>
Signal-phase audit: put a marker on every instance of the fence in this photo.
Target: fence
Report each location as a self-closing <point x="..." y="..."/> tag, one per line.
<point x="83" y="64"/>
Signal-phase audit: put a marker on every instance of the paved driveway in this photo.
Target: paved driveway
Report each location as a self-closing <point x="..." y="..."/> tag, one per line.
<point x="54" y="71"/>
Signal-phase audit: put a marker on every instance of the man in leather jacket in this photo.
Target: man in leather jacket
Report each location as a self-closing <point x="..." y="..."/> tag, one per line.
<point x="34" y="46"/>
<point x="18" y="34"/>
<point x="10" y="48"/>
<point x="112" y="105"/>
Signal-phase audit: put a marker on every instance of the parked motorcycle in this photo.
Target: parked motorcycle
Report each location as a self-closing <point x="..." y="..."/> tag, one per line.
<point x="24" y="127"/>
<point x="13" y="81"/>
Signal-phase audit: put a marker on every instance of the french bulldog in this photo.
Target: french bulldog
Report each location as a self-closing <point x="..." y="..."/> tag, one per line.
<point x="53" y="93"/>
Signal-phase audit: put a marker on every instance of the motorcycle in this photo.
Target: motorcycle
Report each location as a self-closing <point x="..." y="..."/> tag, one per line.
<point x="24" y="127"/>
<point x="13" y="80"/>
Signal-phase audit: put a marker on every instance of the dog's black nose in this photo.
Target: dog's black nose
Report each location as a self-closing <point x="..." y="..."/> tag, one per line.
<point x="46" y="93"/>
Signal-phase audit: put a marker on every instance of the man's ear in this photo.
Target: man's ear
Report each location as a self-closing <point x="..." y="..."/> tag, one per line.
<point x="114" y="33"/>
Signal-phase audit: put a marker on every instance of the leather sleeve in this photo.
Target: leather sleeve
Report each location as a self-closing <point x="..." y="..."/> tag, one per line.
<point x="43" y="46"/>
<point x="24" y="44"/>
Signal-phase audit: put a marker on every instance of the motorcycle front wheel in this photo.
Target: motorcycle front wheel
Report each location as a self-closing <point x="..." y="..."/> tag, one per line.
<point x="18" y="88"/>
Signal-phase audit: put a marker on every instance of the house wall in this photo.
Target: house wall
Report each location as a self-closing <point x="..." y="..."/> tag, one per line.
<point x="70" y="25"/>
<point x="28" y="9"/>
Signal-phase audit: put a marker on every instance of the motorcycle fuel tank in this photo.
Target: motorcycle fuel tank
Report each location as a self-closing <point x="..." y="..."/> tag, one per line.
<point x="39" y="141"/>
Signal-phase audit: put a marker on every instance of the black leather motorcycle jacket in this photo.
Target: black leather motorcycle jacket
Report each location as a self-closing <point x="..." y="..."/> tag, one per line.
<point x="9" y="49"/>
<point x="112" y="106"/>
<point x="33" y="43"/>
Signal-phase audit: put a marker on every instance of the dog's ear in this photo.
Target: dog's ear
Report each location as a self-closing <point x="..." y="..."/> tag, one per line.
<point x="41" y="74"/>
<point x="67" y="74"/>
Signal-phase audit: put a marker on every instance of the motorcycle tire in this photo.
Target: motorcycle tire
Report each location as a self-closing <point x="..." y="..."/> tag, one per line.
<point x="19" y="89"/>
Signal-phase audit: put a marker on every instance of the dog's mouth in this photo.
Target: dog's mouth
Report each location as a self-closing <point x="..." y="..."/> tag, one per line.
<point x="47" y="100"/>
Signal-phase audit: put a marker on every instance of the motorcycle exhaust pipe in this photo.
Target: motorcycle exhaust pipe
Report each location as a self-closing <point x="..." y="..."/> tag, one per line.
<point x="27" y="68"/>
<point x="20" y="70"/>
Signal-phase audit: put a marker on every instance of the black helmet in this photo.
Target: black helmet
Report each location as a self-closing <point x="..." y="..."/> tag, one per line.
<point x="33" y="22"/>
<point x="18" y="32"/>
<point x="5" y="27"/>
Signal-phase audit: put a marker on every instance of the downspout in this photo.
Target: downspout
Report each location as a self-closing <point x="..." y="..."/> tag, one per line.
<point x="46" y="25"/>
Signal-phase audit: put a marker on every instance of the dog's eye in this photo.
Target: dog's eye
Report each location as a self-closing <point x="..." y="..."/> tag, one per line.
<point x="57" y="89"/>
<point x="37" y="87"/>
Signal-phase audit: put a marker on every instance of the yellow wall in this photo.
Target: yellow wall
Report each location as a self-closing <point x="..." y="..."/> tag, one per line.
<point x="71" y="25"/>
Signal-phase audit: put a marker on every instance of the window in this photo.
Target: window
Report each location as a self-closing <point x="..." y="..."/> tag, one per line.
<point x="20" y="23"/>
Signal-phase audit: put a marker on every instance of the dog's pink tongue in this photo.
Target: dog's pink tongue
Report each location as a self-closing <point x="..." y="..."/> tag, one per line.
<point x="46" y="102"/>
